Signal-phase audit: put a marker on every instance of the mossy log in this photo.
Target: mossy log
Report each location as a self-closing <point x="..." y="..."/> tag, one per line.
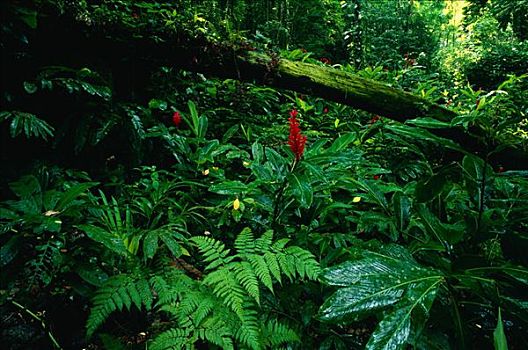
<point x="125" y="46"/>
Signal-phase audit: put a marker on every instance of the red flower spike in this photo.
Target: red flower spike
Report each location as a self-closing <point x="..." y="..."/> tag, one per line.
<point x="374" y="119"/>
<point x="376" y="177"/>
<point x="325" y="110"/>
<point x="176" y="119"/>
<point x="296" y="140"/>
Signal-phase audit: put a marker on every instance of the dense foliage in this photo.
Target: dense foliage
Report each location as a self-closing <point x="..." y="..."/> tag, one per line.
<point x="146" y="206"/>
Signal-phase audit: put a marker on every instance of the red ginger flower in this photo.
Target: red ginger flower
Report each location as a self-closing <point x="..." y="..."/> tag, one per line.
<point x="176" y="119"/>
<point x="296" y="140"/>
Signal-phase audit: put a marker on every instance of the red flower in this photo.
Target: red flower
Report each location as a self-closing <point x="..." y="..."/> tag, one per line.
<point x="176" y="119"/>
<point x="374" y="119"/>
<point x="296" y="140"/>
<point x="376" y="177"/>
<point x="325" y="60"/>
<point x="325" y="110"/>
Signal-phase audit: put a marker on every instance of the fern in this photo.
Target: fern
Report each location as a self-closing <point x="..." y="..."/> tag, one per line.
<point x="214" y="251"/>
<point x="173" y="339"/>
<point x="275" y="334"/>
<point x="117" y="293"/>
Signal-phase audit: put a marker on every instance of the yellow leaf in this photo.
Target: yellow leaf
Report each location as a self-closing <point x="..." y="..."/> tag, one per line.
<point x="356" y="200"/>
<point x="236" y="204"/>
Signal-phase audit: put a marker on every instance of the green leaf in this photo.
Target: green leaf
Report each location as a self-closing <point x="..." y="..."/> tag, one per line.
<point x="429" y="123"/>
<point x="72" y="193"/>
<point x="202" y="127"/>
<point x="499" y="338"/>
<point x="353" y="303"/>
<point x="157" y="104"/>
<point x="392" y="332"/>
<point x="444" y="233"/>
<point x="374" y="192"/>
<point x="104" y="237"/>
<point x="30" y="87"/>
<point x="9" y="250"/>
<point x="302" y="190"/>
<point x="229" y="188"/>
<point x="427" y="190"/>
<point x="342" y="142"/>
<point x="417" y="133"/>
<point x="401" y="205"/>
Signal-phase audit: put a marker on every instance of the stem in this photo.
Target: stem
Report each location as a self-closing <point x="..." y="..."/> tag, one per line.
<point x="279" y="194"/>
<point x="32" y="314"/>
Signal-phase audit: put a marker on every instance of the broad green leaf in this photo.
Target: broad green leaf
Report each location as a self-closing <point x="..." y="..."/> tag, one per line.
<point x="374" y="192"/>
<point x="341" y="142"/>
<point x="26" y="186"/>
<point x="418" y="133"/>
<point x="157" y="104"/>
<point x="202" y="127"/>
<point x="429" y="123"/>
<point x="351" y="272"/>
<point x="395" y="328"/>
<point x="499" y="338"/>
<point x="302" y="190"/>
<point x="104" y="237"/>
<point x="356" y="302"/>
<point x="229" y="188"/>
<point x="444" y="233"/>
<point x="258" y="152"/>
<point x="427" y="190"/>
<point x="401" y="205"/>
<point x="392" y="332"/>
<point x="9" y="250"/>
<point x="72" y="193"/>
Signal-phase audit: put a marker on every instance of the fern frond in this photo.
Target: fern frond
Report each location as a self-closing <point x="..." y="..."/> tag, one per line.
<point x="227" y="287"/>
<point x="213" y="251"/>
<point x="275" y="334"/>
<point x="304" y="262"/>
<point x="249" y="331"/>
<point x="117" y="292"/>
<point x="173" y="339"/>
<point x="263" y="244"/>
<point x="216" y="332"/>
<point x="245" y="242"/>
<point x="259" y="265"/>
<point x="273" y="265"/>
<point x="247" y="278"/>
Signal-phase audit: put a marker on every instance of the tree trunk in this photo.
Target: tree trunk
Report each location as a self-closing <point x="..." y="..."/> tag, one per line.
<point x="161" y="47"/>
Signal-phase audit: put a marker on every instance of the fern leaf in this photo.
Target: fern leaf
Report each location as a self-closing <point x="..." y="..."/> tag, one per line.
<point x="275" y="334"/>
<point x="227" y="287"/>
<point x="173" y="339"/>
<point x="262" y="270"/>
<point x="214" y="251"/>
<point x="273" y="264"/>
<point x="246" y="276"/>
<point x="304" y="262"/>
<point x="249" y="331"/>
<point x="117" y="293"/>
<point x="263" y="244"/>
<point x="245" y="242"/>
